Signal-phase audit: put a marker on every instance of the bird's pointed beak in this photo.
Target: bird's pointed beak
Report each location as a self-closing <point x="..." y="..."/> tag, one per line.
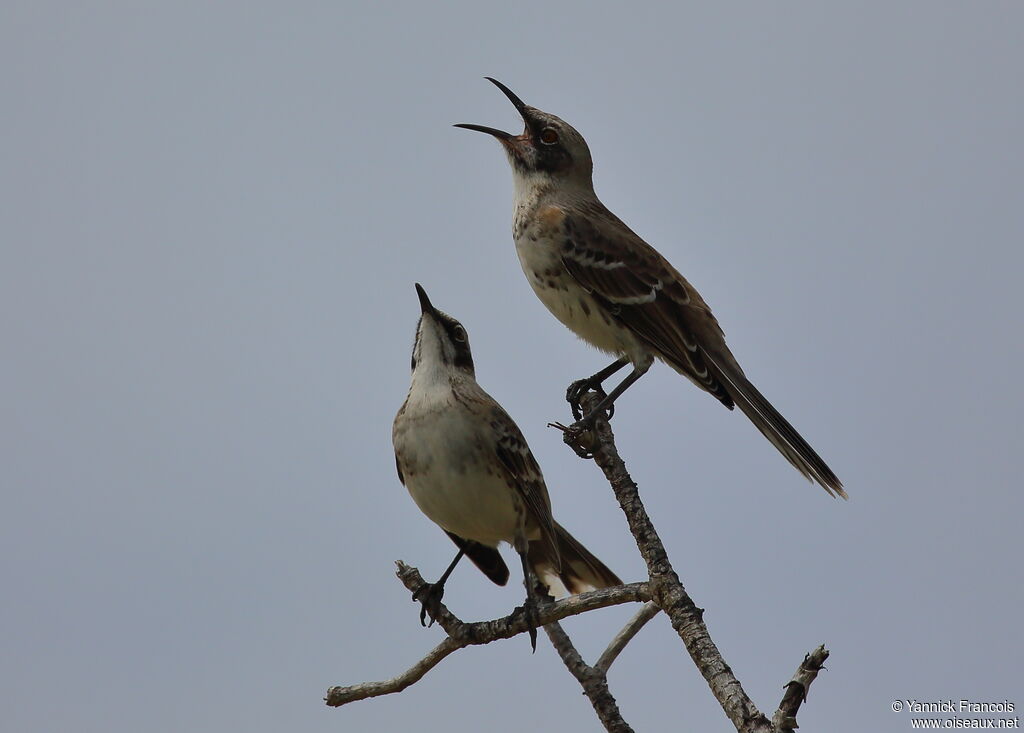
<point x="500" y="134"/>
<point x="520" y="106"/>
<point x="425" y="305"/>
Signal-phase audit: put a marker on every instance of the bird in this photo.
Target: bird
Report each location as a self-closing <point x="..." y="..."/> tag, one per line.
<point x="615" y="291"/>
<point x="468" y="467"/>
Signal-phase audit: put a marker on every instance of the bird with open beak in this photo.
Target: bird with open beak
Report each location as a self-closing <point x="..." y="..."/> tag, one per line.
<point x="615" y="291"/>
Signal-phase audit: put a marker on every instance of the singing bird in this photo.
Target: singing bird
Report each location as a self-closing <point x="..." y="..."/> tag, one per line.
<point x="469" y="469"/>
<point x="615" y="291"/>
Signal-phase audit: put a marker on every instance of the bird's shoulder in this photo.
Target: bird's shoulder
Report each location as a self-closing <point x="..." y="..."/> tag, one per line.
<point x="521" y="468"/>
<point x="398" y="424"/>
<point x="509" y="441"/>
<point x="605" y="254"/>
<point x="499" y="426"/>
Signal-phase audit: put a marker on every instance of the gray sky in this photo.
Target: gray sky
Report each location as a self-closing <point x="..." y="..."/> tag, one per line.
<point x="212" y="218"/>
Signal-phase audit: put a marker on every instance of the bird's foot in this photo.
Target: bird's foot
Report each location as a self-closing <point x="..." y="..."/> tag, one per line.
<point x="530" y="609"/>
<point x="429" y="597"/>
<point x="579" y="436"/>
<point x="574" y="396"/>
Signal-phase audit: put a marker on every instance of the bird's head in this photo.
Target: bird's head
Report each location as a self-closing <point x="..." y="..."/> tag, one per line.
<point x="442" y="344"/>
<point x="549" y="147"/>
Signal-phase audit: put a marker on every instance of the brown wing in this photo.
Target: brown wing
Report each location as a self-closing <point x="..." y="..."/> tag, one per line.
<point x="524" y="475"/>
<point x="645" y="293"/>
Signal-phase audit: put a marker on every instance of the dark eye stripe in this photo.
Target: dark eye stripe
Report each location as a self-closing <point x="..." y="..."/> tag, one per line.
<point x="463" y="359"/>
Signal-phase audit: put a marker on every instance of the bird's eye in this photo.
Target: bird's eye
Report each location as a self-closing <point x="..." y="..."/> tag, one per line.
<point x="459" y="334"/>
<point x="548" y="136"/>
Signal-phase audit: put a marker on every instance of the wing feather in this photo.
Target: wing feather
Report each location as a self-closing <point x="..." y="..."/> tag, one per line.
<point x="524" y="475"/>
<point x="638" y="287"/>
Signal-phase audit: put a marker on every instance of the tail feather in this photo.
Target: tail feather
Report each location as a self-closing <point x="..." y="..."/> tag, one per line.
<point x="488" y="559"/>
<point x="580" y="571"/>
<point x="776" y="428"/>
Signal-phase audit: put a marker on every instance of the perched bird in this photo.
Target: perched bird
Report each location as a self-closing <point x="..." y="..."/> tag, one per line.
<point x="468" y="468"/>
<point x="617" y="292"/>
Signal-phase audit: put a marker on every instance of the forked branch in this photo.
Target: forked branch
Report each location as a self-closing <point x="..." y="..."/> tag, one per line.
<point x="669" y="595"/>
<point x="594" y="681"/>
<point x="663" y="592"/>
<point x="462" y="634"/>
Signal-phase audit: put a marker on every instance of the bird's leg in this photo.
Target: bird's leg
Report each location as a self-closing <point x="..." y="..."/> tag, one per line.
<point x="587" y="422"/>
<point x="573" y="433"/>
<point x="530" y="607"/>
<point x="580" y="387"/>
<point x="430" y="594"/>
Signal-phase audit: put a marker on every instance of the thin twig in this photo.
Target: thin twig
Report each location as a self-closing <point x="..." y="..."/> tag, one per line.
<point x="648" y="611"/>
<point x="462" y="634"/>
<point x="592" y="680"/>
<point x="784" y="720"/>
<point x="338" y="696"/>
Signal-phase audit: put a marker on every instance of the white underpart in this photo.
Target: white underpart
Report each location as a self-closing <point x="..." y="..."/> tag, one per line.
<point x="446" y="455"/>
<point x="558" y="290"/>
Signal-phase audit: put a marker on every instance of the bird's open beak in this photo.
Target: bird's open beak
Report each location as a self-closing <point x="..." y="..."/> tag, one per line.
<point x="425" y="304"/>
<point x="500" y="134"/>
<point x="520" y="105"/>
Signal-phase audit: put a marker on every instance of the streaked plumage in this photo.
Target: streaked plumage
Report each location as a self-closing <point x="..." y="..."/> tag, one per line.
<point x="614" y="290"/>
<point x="468" y="468"/>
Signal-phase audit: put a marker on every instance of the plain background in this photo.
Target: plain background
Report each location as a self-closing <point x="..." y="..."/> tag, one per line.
<point x="213" y="215"/>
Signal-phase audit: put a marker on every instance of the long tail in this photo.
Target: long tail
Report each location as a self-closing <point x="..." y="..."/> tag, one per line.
<point x="775" y="427"/>
<point x="580" y="570"/>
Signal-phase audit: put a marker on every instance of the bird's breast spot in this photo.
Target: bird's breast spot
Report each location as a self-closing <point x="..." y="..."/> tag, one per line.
<point x="547" y="280"/>
<point x="551" y="216"/>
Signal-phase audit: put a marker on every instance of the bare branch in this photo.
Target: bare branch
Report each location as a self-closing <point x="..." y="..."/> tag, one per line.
<point x="784" y="720"/>
<point x="662" y="592"/>
<point x="648" y="611"/>
<point x="338" y="696"/>
<point x="668" y="592"/>
<point x="593" y="680"/>
<point x="462" y="634"/>
<point x="484" y="632"/>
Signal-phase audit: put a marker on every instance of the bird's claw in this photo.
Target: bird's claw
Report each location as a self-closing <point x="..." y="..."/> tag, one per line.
<point x="574" y="395"/>
<point x="530" y="610"/>
<point x="429" y="597"/>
